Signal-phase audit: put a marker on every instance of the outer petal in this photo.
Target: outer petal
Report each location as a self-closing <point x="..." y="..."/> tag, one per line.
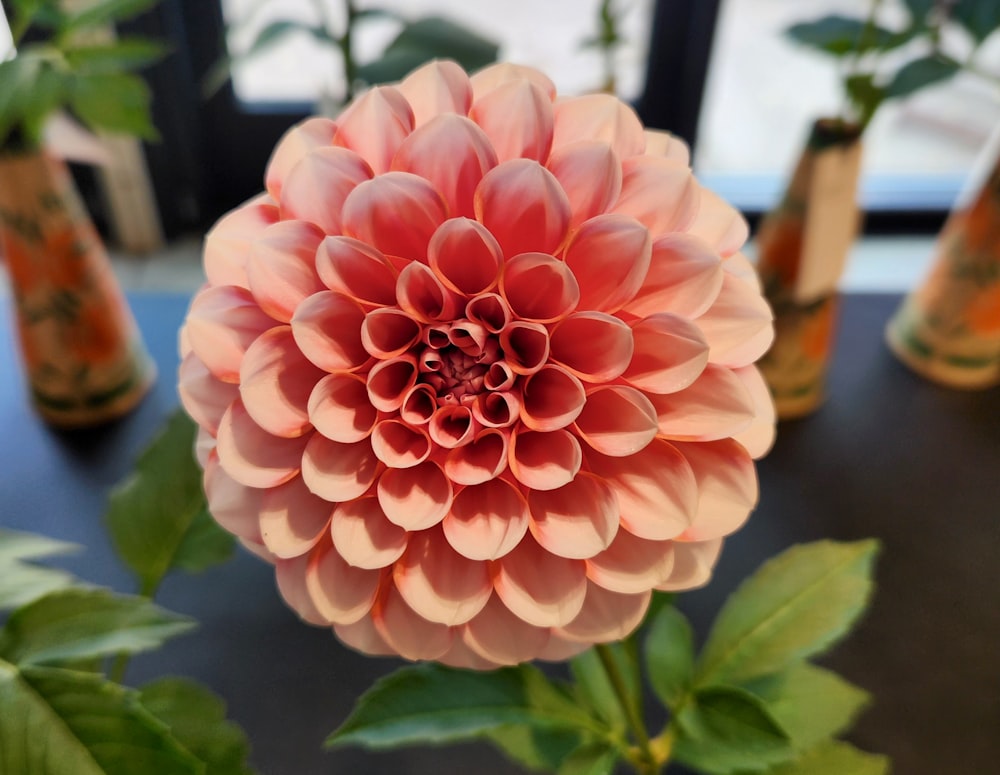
<point x="363" y="535"/>
<point x="356" y="270"/>
<point x="693" y="564"/>
<point x="684" y="278"/>
<point x="252" y="456"/>
<point x="632" y="565"/>
<point x="340" y="593"/>
<point x="578" y="520"/>
<point x="412" y="636"/>
<point x="738" y="325"/>
<point x="617" y="420"/>
<point x="292" y="519"/>
<point x="592" y="345"/>
<point x="486" y="521"/>
<point x="660" y="143"/>
<point x="314" y="132"/>
<point x="375" y="125"/>
<point x="415" y="498"/>
<point x="500" y="636"/>
<point x="203" y="396"/>
<point x="609" y="256"/>
<point x="327" y="328"/>
<point x="590" y="174"/>
<point x="227" y="245"/>
<point x="727" y="487"/>
<point x="291" y="578"/>
<point x="221" y="324"/>
<point x="438" y="87"/>
<point x="233" y="505"/>
<point x="759" y="437"/>
<point x="541" y="589"/>
<point x="606" y="616"/>
<point x="517" y="118"/>
<point x="719" y="224"/>
<point x="317" y="187"/>
<point x="339" y="408"/>
<point x="492" y="77"/>
<point x="717" y="405"/>
<point x="670" y="353"/>
<point x="363" y="636"/>
<point x="661" y="193"/>
<point x="282" y="267"/>
<point x="601" y="117"/>
<point x="338" y="472"/>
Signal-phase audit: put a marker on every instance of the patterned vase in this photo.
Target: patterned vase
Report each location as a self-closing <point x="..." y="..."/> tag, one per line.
<point x="802" y="248"/>
<point x="83" y="357"/>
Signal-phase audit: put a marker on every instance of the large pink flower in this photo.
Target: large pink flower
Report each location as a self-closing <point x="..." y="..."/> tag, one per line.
<point x="476" y="373"/>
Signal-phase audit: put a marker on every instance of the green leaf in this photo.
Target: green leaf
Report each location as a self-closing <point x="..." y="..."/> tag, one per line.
<point x="197" y="720"/>
<point x="795" y="606"/>
<point x="103" y="12"/>
<point x="272" y="34"/>
<point x="921" y="73"/>
<point x="393" y="65"/>
<point x="594" y="759"/>
<point x="156" y="516"/>
<point x="82" y="623"/>
<point x="535" y="748"/>
<point x="16" y="545"/>
<point x="811" y="704"/>
<point x="114" y="102"/>
<point x="834" y="758"/>
<point x="920" y="10"/>
<point x="865" y="96"/>
<point x="122" y="54"/>
<point x="725" y="729"/>
<point x="440" y="38"/>
<point x="33" y="88"/>
<point x="842" y="35"/>
<point x="980" y="18"/>
<point x="596" y="689"/>
<point x="59" y="722"/>
<point x="21" y="582"/>
<point x="432" y="704"/>
<point x="670" y="656"/>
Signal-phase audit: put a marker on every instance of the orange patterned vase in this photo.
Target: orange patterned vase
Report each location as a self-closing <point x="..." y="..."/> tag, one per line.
<point x="802" y="248"/>
<point x="84" y="360"/>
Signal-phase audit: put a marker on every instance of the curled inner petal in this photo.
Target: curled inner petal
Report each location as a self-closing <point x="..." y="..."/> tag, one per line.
<point x="551" y="398"/>
<point x="539" y="287"/>
<point x="398" y="445"/>
<point x="356" y="270"/>
<point x="544" y="461"/>
<point x="482" y="460"/>
<point x="526" y="346"/>
<point x="465" y="256"/>
<point x="388" y="332"/>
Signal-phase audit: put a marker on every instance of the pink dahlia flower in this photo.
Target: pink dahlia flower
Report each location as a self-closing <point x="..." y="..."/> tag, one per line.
<point x="476" y="372"/>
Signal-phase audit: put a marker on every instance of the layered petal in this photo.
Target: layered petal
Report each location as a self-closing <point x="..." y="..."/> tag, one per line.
<point x="292" y="519"/>
<point x="609" y="256"/>
<point x="543" y="590"/>
<point x="318" y="186"/>
<point x="590" y="173"/>
<point x="221" y="324"/>
<point x="439" y="87"/>
<point x="684" y="278"/>
<point x="315" y="132"/>
<point x="578" y="520"/>
<point x="601" y="117"/>
<point x="517" y="117"/>
<point x="375" y="125"/>
<point x="660" y="193"/>
<point x="486" y="520"/>
<point x="228" y="243"/>
<point x="364" y="536"/>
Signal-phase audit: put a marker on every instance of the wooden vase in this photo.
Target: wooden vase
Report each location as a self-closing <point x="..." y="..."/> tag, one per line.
<point x="802" y="249"/>
<point x="83" y="357"/>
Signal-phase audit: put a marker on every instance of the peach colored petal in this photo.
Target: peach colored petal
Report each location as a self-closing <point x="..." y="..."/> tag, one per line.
<point x="497" y="410"/>
<point x="661" y="193"/>
<point x="727" y="487"/>
<point x="517" y="118"/>
<point x="693" y="564"/>
<point x="204" y="446"/>
<point x="415" y="498"/>
<point x="397" y="213"/>
<point x="739" y="265"/>
<point x="409" y="634"/>
<point x="275" y="383"/>
<point x="609" y="256"/>
<point x="292" y="519"/>
<point x="500" y="636"/>
<point x="251" y="455"/>
<point x="453" y="154"/>
<point x="656" y="488"/>
<point x="231" y="504"/>
<point x="592" y="346"/>
<point x="670" y="353"/>
<point x="318" y="186"/>
<point x="340" y="593"/>
<point x="363" y="535"/>
<point x="738" y="326"/>
<point x="452" y="426"/>
<point x="715" y="406"/>
<point x="544" y="461"/>
<point x="419" y="404"/>
<point x="684" y="278"/>
<point x="539" y="287"/>
<point x="541" y="589"/>
<point x="461" y="656"/>
<point x="327" y="328"/>
<point x="388" y="332"/>
<point x="440" y="86"/>
<point x="465" y="256"/>
<point x="617" y="420"/>
<point x="312" y="133"/>
<point x="282" y="267"/>
<point x="490" y="311"/>
<point x="338" y="472"/>
<point x="291" y="578"/>
<point x="551" y="398"/>
<point x="493" y="76"/>
<point x="375" y="125"/>
<point x="227" y="244"/>
<point x="660" y="143"/>
<point x="590" y="174"/>
<point x="719" y="224"/>
<point x="339" y="408"/>
<point x="356" y="270"/>
<point x="221" y="324"/>
<point x="423" y="295"/>
<point x="524" y="207"/>
<point x="601" y="117"/>
<point x="606" y="616"/>
<point x="258" y="550"/>
<point x="577" y="520"/>
<point x="485" y="458"/>
<point x="203" y="396"/>
<point x="632" y="565"/>
<point x="559" y="649"/>
<point x="398" y="445"/>
<point x="439" y="584"/>
<point x="486" y="520"/>
<point x="363" y="636"/>
<point x="525" y="345"/>
<point x="389" y="382"/>
<point x="759" y="437"/>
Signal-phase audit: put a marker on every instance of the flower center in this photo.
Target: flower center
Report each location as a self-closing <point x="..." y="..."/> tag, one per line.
<point x="455" y="360"/>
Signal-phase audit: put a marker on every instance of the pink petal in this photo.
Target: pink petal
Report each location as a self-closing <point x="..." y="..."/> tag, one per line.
<point x="375" y="125"/>
<point x="490" y="311"/>
<point x="738" y="326"/>
<point x="204" y="446"/>
<point x="525" y="346"/>
<point x="609" y="256"/>
<point x="439" y="584"/>
<point x="258" y="550"/>
<point x="578" y="520"/>
<point x="230" y="503"/>
<point x="397" y="212"/>
<point x="592" y="345"/>
<point x="317" y="187"/>
<point x="500" y="376"/>
<point x="282" y="267"/>
<point x="660" y="143"/>
<point x="203" y="396"/>
<point x="221" y="324"/>
<point x="524" y="207"/>
<point x="363" y="535"/>
<point x="356" y="270"/>
<point x="340" y="593"/>
<point x="228" y="243"/>
<point x="727" y="487"/>
<point x="465" y="256"/>
<point x="656" y="488"/>
<point x="496" y="410"/>
<point x="670" y="353"/>
<point x="759" y="437"/>
<point x="415" y="498"/>
<point x="601" y="117"/>
<point x="491" y="77"/>
<point x="452" y="426"/>
<point x="339" y="408"/>
<point x="461" y="656"/>
<point x="251" y="455"/>
<point x="693" y="564"/>
<point x="398" y="445"/>
<point x="539" y="287"/>
<point x="538" y="587"/>
<point x="617" y="420"/>
<point x="606" y="616"/>
<point x="389" y="332"/>
<point x="423" y="296"/>
<point x="717" y="405"/>
<point x="551" y="398"/>
<point x="482" y="460"/>
<point x="291" y="578"/>
<point x="518" y="119"/>
<point x="560" y="650"/>
<point x="661" y="193"/>
<point x="590" y="174"/>
<point x="338" y="472"/>
<point x="327" y="328"/>
<point x="363" y="636"/>
<point x="544" y="461"/>
<point x="453" y="154"/>
<point x="275" y="383"/>
<point x="419" y="404"/>
<point x="500" y="636"/>
<point x="292" y="519"/>
<point x="389" y="382"/>
<point x="486" y="520"/>
<point x="684" y="278"/>
<point x="440" y="86"/>
<point x="293" y="146"/>
<point x="412" y="636"/>
<point x="739" y="266"/>
<point x="632" y="565"/>
<point x="719" y="224"/>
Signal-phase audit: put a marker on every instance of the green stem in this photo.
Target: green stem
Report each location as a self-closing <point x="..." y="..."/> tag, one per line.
<point x="347" y="50"/>
<point x="645" y="761"/>
<point x="854" y="68"/>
